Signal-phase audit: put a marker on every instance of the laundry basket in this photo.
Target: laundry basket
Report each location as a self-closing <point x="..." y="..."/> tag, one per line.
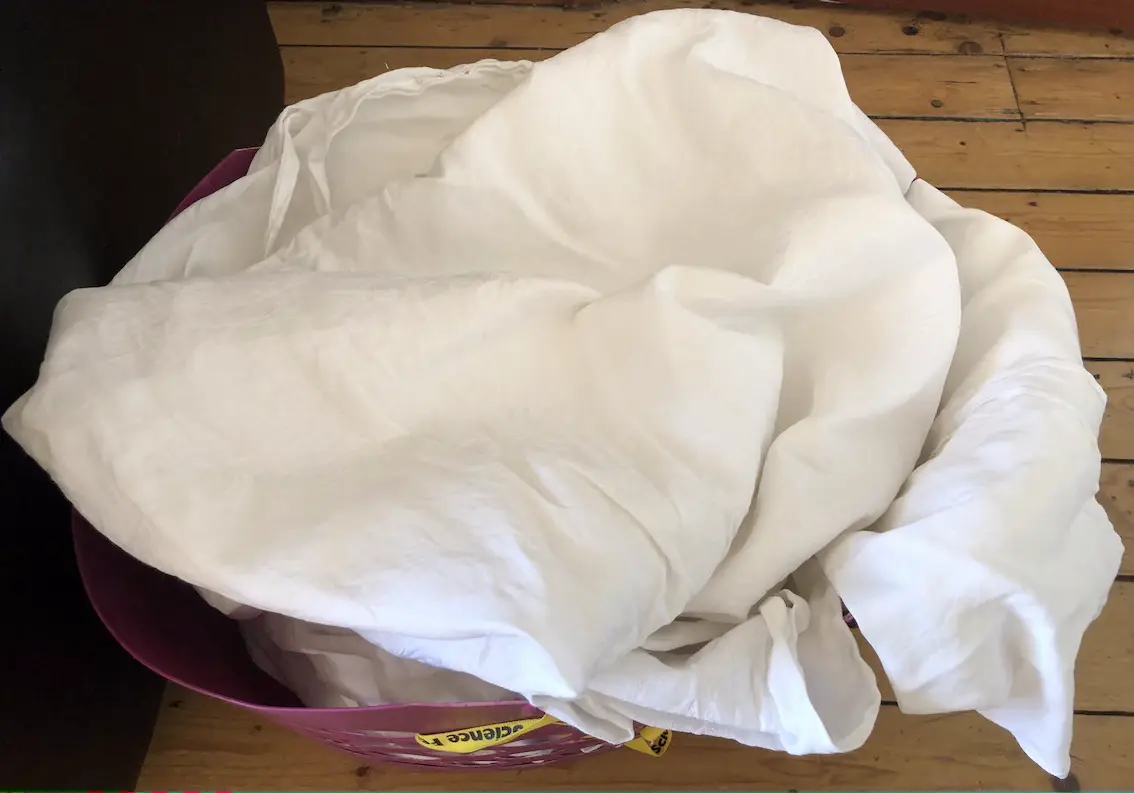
<point x="166" y="625"/>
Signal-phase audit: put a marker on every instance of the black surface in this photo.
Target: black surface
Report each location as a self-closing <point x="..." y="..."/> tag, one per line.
<point x="109" y="114"/>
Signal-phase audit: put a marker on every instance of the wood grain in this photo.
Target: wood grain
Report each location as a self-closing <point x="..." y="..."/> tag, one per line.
<point x="1102" y="14"/>
<point x="943" y="86"/>
<point x="425" y="25"/>
<point x="1100" y="17"/>
<point x="1104" y="671"/>
<point x="1036" y="156"/>
<point x="1103" y="303"/>
<point x="952" y="87"/>
<point x="916" y="6"/>
<point x="1116" y="494"/>
<point x="208" y="745"/>
<point x="1058" y="88"/>
<point x="1066" y="43"/>
<point x="849" y="30"/>
<point x="1117" y="378"/>
<point x="1074" y="230"/>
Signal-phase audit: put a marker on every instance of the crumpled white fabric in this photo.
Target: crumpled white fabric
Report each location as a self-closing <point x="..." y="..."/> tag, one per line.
<point x="602" y="380"/>
<point x="330" y="667"/>
<point x="336" y="668"/>
<point x="977" y="584"/>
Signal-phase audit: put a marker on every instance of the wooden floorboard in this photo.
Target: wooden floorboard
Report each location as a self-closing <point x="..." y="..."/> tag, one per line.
<point x="208" y="745"/>
<point x="496" y="26"/>
<point x="1066" y="43"/>
<point x="1117" y="438"/>
<point x="1104" y="306"/>
<point x="547" y="25"/>
<point x="1053" y="151"/>
<point x="1116" y="494"/>
<point x="936" y="87"/>
<point x="1011" y="156"/>
<point x="1093" y="90"/>
<point x="1098" y="14"/>
<point x="1076" y="231"/>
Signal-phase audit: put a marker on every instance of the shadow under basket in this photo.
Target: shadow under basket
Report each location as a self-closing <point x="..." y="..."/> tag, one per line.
<point x="168" y="627"/>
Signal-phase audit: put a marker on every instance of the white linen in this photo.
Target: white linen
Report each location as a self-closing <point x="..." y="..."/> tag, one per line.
<point x="977" y="584"/>
<point x="336" y="668"/>
<point x="486" y="365"/>
<point x="329" y="667"/>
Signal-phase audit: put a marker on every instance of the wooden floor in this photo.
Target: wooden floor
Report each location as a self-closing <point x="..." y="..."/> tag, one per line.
<point x="1036" y="126"/>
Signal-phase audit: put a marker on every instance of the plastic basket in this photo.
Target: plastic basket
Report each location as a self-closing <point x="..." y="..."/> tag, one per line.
<point x="165" y="625"/>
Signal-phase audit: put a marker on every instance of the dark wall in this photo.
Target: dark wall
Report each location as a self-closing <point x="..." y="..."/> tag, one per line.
<point x="109" y="113"/>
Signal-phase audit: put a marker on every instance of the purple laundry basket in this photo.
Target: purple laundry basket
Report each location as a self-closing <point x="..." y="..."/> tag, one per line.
<point x="165" y="624"/>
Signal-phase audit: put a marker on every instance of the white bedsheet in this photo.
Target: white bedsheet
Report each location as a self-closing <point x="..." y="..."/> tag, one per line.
<point x="602" y="380"/>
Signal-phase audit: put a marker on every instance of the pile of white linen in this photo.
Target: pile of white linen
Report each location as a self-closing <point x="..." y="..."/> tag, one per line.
<point x="602" y="380"/>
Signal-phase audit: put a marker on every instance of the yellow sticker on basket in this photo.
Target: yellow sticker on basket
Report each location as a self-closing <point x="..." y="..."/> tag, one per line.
<point x="652" y="741"/>
<point x="474" y="739"/>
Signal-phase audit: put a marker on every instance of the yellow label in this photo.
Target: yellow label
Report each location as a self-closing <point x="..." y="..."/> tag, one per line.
<point x="652" y="741"/>
<point x="474" y="739"/>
